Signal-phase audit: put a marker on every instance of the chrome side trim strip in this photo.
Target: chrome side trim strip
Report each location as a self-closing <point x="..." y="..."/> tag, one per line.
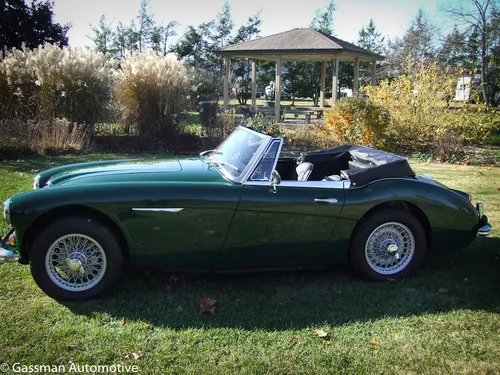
<point x="342" y="184"/>
<point x="325" y="200"/>
<point x="173" y="210"/>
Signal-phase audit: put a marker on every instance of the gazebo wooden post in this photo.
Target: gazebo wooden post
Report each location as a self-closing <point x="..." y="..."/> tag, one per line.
<point x="277" y="91"/>
<point x="227" y="60"/>
<point x="254" y="83"/>
<point x="374" y="72"/>
<point x="335" y="81"/>
<point x="355" y="84"/>
<point x="322" y="87"/>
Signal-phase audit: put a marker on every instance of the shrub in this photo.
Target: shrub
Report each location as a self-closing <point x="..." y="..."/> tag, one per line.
<point x="417" y="104"/>
<point x="202" y="87"/>
<point x="474" y="123"/>
<point x="51" y="82"/>
<point x="219" y="129"/>
<point x="43" y="137"/>
<point x="151" y="92"/>
<point x="421" y="118"/>
<point x="354" y="120"/>
<point x="260" y="124"/>
<point x="302" y="138"/>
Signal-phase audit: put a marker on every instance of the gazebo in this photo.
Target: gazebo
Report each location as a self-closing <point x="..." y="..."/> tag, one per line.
<point x="298" y="45"/>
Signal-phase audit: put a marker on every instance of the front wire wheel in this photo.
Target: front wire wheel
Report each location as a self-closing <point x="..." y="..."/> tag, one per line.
<point x="76" y="258"/>
<point x="75" y="262"/>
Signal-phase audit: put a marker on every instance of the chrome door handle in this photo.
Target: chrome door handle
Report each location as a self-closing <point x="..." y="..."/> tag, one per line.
<point x="325" y="200"/>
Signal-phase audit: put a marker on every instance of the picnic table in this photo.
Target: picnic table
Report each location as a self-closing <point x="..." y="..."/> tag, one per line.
<point x="270" y="111"/>
<point x="318" y="110"/>
<point x="307" y="114"/>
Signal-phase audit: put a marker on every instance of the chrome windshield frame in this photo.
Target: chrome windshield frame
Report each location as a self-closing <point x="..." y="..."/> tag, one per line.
<point x="252" y="164"/>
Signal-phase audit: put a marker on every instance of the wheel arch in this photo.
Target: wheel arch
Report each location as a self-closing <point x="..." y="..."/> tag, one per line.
<point x="52" y="215"/>
<point x="406" y="205"/>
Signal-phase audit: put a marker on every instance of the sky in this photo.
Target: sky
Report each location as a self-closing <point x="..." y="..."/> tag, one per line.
<point x="391" y="17"/>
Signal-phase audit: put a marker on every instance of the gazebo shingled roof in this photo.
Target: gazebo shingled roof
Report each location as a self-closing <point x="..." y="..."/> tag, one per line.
<point x="309" y="42"/>
<point x="298" y="45"/>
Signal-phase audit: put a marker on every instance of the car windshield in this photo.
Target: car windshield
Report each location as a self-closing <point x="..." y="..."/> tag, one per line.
<point x="235" y="153"/>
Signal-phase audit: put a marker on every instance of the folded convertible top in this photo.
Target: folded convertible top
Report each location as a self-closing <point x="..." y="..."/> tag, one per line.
<point x="367" y="164"/>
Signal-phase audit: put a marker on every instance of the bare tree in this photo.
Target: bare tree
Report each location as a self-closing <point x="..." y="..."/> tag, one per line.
<point x="477" y="14"/>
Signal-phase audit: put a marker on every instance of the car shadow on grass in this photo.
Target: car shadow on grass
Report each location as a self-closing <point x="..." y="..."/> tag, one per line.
<point x="466" y="279"/>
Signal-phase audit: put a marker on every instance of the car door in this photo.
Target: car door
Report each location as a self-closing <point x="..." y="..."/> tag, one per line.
<point x="287" y="224"/>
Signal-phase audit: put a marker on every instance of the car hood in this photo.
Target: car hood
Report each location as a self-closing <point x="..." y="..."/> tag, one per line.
<point x="136" y="170"/>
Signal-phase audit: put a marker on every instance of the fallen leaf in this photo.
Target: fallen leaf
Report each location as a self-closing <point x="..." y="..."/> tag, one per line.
<point x="297" y="340"/>
<point x="327" y="342"/>
<point x="179" y="308"/>
<point x="124" y="322"/>
<point x="320" y="333"/>
<point x="498" y="189"/>
<point x="133" y="355"/>
<point x="374" y="342"/>
<point x="443" y="291"/>
<point x="207" y="306"/>
<point x="172" y="279"/>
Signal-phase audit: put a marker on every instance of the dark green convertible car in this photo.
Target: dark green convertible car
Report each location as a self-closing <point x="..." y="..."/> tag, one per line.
<point x="241" y="205"/>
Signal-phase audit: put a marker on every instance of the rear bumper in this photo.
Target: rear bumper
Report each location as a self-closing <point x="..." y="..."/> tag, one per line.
<point x="484" y="227"/>
<point x="8" y="253"/>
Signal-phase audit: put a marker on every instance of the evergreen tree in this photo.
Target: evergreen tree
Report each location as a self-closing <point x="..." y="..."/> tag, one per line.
<point x="323" y="21"/>
<point x="372" y="40"/>
<point x="224" y="25"/>
<point x="242" y="68"/>
<point x="146" y="25"/>
<point x="453" y="51"/>
<point x="419" y="44"/>
<point x="103" y="37"/>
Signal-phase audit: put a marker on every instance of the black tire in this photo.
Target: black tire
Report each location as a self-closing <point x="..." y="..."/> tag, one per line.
<point x="375" y="224"/>
<point x="100" y="240"/>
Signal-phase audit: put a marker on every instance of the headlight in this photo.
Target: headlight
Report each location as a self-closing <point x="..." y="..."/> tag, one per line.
<point x="6" y="211"/>
<point x="36" y="182"/>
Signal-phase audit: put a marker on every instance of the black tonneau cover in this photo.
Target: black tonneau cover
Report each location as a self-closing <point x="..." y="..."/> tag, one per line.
<point x="364" y="164"/>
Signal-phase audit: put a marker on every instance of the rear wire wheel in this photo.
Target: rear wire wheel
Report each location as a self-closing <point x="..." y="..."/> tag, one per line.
<point x="389" y="244"/>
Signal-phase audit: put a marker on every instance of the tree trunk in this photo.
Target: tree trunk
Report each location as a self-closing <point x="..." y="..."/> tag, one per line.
<point x="483" y="65"/>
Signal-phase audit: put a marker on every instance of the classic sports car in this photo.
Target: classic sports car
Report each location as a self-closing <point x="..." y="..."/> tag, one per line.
<point x="241" y="205"/>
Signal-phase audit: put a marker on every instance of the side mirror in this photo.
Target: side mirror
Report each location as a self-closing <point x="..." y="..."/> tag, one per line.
<point x="275" y="180"/>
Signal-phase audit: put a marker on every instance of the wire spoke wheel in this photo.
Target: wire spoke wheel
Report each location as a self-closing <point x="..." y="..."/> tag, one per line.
<point x="390" y="248"/>
<point x="75" y="262"/>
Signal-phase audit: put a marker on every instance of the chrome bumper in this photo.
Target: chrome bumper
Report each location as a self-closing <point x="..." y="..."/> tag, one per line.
<point x="6" y="254"/>
<point x="484" y="227"/>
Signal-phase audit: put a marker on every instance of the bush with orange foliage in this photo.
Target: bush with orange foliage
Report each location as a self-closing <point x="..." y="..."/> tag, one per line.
<point x="354" y="120"/>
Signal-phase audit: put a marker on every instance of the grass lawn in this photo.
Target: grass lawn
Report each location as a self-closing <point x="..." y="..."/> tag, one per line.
<point x="443" y="320"/>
